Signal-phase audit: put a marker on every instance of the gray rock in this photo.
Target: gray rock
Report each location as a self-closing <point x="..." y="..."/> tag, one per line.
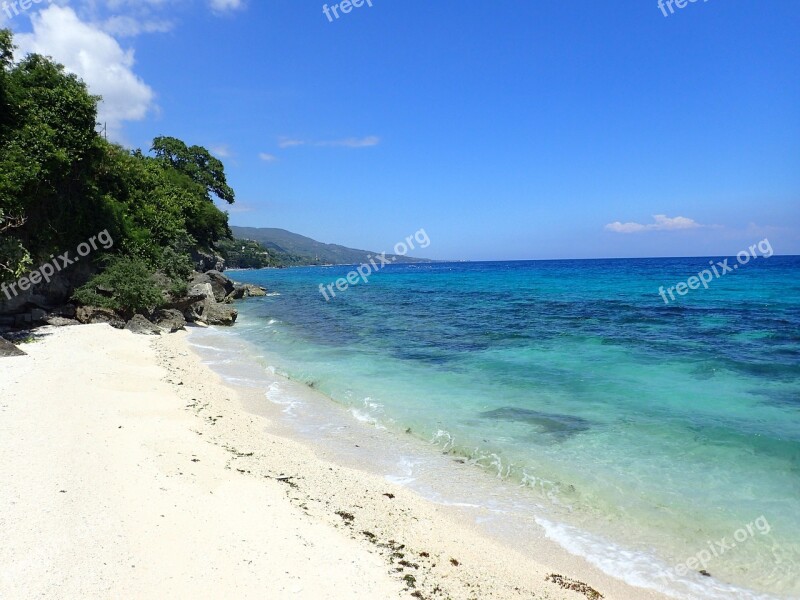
<point x="170" y="319"/>
<point x="52" y="294"/>
<point x="201" y="297"/>
<point x="221" y="285"/>
<point x="37" y="314"/>
<point x="9" y="349"/>
<point x="246" y="290"/>
<point x="205" y="261"/>
<point x="221" y="314"/>
<point x="94" y="314"/>
<point x="201" y="291"/>
<point x="254" y="291"/>
<point x="67" y="311"/>
<point x="140" y="325"/>
<point x="60" y="321"/>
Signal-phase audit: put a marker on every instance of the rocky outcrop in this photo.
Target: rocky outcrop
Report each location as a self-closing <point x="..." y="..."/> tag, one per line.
<point x="47" y="295"/>
<point x="140" y="325"/>
<point x="206" y="301"/>
<point x="94" y="314"/>
<point x="221" y="285"/>
<point x="9" y="349"/>
<point x="61" y="321"/>
<point x="207" y="261"/>
<point x="246" y="290"/>
<point x="169" y="319"/>
<point x="221" y="314"/>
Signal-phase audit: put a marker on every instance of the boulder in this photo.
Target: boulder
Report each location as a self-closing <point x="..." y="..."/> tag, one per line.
<point x="140" y="325"/>
<point x="9" y="349"/>
<point x="205" y="261"/>
<point x="95" y="314"/>
<point x="201" y="296"/>
<point x="221" y="285"/>
<point x="60" y="321"/>
<point x="196" y="293"/>
<point x="246" y="290"/>
<point x="169" y="319"/>
<point x="220" y="314"/>
<point x="67" y="311"/>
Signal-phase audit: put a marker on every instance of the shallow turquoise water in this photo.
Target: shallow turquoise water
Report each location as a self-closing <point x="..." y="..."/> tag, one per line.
<point x="666" y="427"/>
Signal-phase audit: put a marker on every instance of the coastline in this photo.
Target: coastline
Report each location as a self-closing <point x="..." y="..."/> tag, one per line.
<point x="135" y="427"/>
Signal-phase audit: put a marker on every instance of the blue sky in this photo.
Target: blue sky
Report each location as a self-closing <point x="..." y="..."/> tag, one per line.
<point x="507" y="130"/>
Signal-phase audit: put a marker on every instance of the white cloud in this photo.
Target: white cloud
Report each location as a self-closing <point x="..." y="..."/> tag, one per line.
<point x="221" y="6"/>
<point x="351" y="142"/>
<point x="220" y="151"/>
<point x="128" y="26"/>
<point x="267" y="157"/>
<point x="365" y="142"/>
<point x="289" y="143"/>
<point x="661" y="223"/>
<point x="94" y="56"/>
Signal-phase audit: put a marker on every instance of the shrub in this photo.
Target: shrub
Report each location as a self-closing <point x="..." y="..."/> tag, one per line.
<point x="126" y="285"/>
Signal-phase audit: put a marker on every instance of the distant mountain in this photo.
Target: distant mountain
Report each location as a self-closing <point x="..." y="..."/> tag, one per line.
<point x="313" y="252"/>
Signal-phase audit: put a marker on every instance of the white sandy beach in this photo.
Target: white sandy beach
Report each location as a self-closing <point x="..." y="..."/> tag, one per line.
<point x="130" y="471"/>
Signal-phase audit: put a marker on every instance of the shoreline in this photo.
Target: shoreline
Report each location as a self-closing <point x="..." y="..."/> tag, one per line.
<point x="165" y="477"/>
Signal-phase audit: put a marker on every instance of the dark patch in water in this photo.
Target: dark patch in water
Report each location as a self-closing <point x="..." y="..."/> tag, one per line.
<point x="704" y="371"/>
<point x="556" y="424"/>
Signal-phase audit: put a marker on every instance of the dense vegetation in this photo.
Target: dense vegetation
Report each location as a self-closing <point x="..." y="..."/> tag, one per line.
<point x="61" y="183"/>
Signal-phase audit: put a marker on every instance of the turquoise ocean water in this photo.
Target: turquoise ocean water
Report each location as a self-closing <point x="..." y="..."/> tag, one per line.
<point x="665" y="429"/>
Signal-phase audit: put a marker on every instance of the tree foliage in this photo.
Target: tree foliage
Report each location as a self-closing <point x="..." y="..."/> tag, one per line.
<point x="127" y="285"/>
<point x="61" y="182"/>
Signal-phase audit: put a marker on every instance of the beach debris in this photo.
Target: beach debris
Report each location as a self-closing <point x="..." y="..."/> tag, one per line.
<point x="454" y="562"/>
<point x="565" y="583"/>
<point x="346" y="516"/>
<point x="410" y="580"/>
<point x="389" y="496"/>
<point x="704" y="573"/>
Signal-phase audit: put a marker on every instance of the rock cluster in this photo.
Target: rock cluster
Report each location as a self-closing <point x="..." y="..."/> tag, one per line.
<point x="207" y="301"/>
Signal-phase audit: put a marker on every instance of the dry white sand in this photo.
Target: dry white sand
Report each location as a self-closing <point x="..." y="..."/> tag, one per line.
<point x="130" y="471"/>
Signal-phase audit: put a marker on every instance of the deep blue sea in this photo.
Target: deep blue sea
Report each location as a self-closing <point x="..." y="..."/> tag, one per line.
<point x="663" y="427"/>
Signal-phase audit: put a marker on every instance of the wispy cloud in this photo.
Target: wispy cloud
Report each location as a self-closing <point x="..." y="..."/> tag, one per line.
<point x="660" y="223"/>
<point x="365" y="142"/>
<point x="240" y="208"/>
<point x="289" y="143"/>
<point x="351" y="142"/>
<point x="266" y="157"/>
<point x="220" y="150"/>
<point x="223" y="6"/>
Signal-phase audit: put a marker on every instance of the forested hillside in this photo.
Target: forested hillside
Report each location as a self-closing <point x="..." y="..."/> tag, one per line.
<point x="62" y="184"/>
